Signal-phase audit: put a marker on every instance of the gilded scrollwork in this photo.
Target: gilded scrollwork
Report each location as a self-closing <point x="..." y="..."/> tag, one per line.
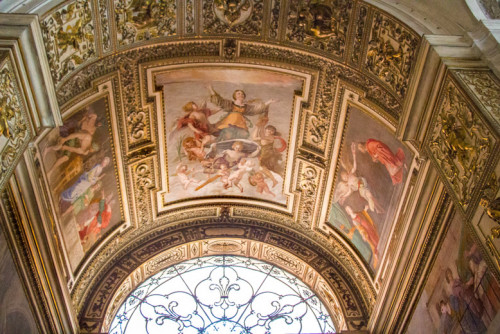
<point x="375" y="92"/>
<point x="127" y="65"/>
<point x="143" y="20"/>
<point x="391" y="53"/>
<point x="318" y="124"/>
<point x="144" y="182"/>
<point x="460" y="143"/>
<point x="275" y="18"/>
<point x="189" y="20"/>
<point x="14" y="131"/>
<point x="359" y="31"/>
<point x="485" y="88"/>
<point x="104" y="25"/>
<point x="308" y="185"/>
<point x="238" y="16"/>
<point x="321" y="24"/>
<point x="68" y="34"/>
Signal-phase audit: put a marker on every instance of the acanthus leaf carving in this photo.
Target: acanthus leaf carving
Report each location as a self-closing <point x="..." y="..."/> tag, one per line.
<point x="245" y="17"/>
<point x="322" y="25"/>
<point x="392" y="49"/>
<point x="460" y="143"/>
<point x="14" y="128"/>
<point x="68" y="35"/>
<point x="485" y="88"/>
<point x="138" y="21"/>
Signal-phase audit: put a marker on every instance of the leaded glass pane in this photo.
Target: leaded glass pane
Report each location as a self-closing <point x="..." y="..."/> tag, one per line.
<point x="222" y="294"/>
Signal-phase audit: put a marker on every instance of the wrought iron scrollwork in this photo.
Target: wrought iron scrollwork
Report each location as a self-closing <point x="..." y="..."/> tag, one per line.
<point x="223" y="294"/>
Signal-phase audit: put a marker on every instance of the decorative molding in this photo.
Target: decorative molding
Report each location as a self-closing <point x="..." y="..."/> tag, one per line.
<point x="69" y="37"/>
<point x="245" y="19"/>
<point x="242" y="247"/>
<point x="100" y="290"/>
<point x="460" y="143"/>
<point x="484" y="87"/>
<point x="104" y="25"/>
<point x="320" y="25"/>
<point x="391" y="52"/>
<point x="15" y="129"/>
<point x="138" y="21"/>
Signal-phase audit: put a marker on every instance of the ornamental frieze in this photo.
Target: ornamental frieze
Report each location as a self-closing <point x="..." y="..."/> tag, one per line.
<point x="237" y="17"/>
<point x="322" y="25"/>
<point x="391" y="52"/>
<point x="14" y="121"/>
<point x="484" y="88"/>
<point x="140" y="21"/>
<point x="104" y="26"/>
<point x="69" y="37"/>
<point x="460" y="143"/>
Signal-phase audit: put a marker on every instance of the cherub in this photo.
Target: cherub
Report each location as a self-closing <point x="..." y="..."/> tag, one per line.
<point x="258" y="180"/>
<point x="183" y="175"/>
<point x="236" y="176"/>
<point x="223" y="174"/>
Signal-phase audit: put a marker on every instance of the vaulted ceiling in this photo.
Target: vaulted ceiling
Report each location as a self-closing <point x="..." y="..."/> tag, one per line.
<point x="332" y="138"/>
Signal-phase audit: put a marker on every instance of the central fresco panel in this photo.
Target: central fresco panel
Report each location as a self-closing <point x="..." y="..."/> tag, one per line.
<point x="228" y="132"/>
<point x="372" y="171"/>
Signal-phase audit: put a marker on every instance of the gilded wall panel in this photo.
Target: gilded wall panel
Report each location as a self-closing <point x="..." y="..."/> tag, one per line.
<point x="275" y="18"/>
<point x="391" y="52"/>
<point x="189" y="21"/>
<point x="321" y="25"/>
<point x="69" y="37"/>
<point x="484" y="88"/>
<point x="360" y="29"/>
<point x="15" y="130"/>
<point x="138" y="21"/>
<point x="104" y="25"/>
<point x="460" y="142"/>
<point x="236" y="17"/>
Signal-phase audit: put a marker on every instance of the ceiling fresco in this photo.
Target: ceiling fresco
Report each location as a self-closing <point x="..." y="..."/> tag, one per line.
<point x="371" y="174"/>
<point x="276" y="129"/>
<point x="228" y="131"/>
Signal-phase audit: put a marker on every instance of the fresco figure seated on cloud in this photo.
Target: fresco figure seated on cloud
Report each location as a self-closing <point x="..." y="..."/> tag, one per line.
<point x="236" y="123"/>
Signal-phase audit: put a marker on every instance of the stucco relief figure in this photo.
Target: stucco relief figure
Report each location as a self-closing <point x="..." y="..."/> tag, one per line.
<point x="236" y="123"/>
<point x="380" y="152"/>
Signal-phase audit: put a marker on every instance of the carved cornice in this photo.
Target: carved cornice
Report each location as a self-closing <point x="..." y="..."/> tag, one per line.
<point x="461" y="143"/>
<point x="98" y="292"/>
<point x="15" y="129"/>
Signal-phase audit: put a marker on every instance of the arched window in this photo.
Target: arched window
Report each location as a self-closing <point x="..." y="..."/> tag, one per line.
<point x="222" y="294"/>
